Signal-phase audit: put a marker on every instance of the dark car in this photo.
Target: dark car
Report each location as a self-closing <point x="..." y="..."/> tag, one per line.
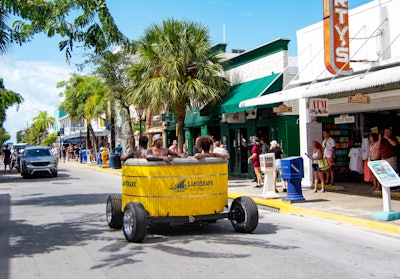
<point x="38" y="160"/>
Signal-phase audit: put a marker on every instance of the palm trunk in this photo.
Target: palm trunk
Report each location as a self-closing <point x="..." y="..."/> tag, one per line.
<point x="112" y="128"/>
<point x="95" y="140"/>
<point x="180" y="117"/>
<point x="87" y="141"/>
<point x="131" y="130"/>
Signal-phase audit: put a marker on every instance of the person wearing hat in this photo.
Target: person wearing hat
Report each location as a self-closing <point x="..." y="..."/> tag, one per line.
<point x="274" y="148"/>
<point x="255" y="158"/>
<point x="161" y="153"/>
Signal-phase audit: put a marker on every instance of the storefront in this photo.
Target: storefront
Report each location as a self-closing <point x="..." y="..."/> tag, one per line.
<point x="345" y="112"/>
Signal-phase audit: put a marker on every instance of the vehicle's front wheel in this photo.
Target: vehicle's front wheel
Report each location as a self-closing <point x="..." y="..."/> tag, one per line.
<point x="114" y="213"/>
<point x="24" y="175"/>
<point x="134" y="222"/>
<point x="244" y="214"/>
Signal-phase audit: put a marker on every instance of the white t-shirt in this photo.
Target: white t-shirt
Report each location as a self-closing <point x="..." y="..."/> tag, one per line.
<point x="220" y="150"/>
<point x="328" y="144"/>
<point x="356" y="163"/>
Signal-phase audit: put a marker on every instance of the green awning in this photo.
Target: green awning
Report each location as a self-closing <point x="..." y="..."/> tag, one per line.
<point x="194" y="119"/>
<point x="250" y="89"/>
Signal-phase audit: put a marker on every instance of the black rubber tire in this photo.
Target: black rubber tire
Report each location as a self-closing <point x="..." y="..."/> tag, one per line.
<point x="55" y="174"/>
<point x="244" y="215"/>
<point x="24" y="175"/>
<point x="114" y="213"/>
<point x="134" y="222"/>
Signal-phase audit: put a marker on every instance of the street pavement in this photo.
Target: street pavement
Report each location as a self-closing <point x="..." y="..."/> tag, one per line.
<point x="348" y="203"/>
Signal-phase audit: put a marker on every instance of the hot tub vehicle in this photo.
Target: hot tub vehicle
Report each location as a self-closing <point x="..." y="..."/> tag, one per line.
<point x="188" y="191"/>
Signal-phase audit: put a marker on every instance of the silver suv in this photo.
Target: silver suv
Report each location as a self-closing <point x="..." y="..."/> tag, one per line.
<point x="38" y="160"/>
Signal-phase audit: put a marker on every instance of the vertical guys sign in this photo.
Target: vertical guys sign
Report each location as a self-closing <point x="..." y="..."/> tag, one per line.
<point x="336" y="37"/>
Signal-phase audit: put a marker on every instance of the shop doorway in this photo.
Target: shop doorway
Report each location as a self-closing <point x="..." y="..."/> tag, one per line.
<point x="239" y="152"/>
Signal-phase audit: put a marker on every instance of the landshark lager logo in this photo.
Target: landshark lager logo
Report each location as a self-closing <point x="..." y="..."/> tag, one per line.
<point x="184" y="185"/>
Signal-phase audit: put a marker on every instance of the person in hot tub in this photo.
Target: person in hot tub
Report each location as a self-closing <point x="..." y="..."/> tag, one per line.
<point x="141" y="153"/>
<point x="157" y="152"/>
<point x="205" y="143"/>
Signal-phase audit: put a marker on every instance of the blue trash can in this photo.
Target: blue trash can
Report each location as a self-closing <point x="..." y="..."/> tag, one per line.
<point x="84" y="157"/>
<point x="99" y="160"/>
<point x="111" y="159"/>
<point x="293" y="172"/>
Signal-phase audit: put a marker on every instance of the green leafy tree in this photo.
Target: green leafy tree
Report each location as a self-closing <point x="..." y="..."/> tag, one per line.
<point x="111" y="68"/>
<point x="93" y="27"/>
<point x="84" y="99"/>
<point x="50" y="140"/>
<point x="176" y="71"/>
<point x="4" y="136"/>
<point x="33" y="135"/>
<point x="43" y="121"/>
<point x="8" y="98"/>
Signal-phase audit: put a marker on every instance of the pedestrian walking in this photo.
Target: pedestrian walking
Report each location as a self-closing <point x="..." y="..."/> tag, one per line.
<point x="255" y="159"/>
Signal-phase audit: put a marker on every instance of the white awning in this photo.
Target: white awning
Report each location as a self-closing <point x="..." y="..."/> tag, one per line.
<point x="339" y="85"/>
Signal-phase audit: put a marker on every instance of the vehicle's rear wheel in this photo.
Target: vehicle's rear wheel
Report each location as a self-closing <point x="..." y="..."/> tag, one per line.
<point x="114" y="214"/>
<point x="134" y="222"/>
<point x="244" y="214"/>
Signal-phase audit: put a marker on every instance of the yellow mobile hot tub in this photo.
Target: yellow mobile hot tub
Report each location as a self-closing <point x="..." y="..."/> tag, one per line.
<point x="188" y="190"/>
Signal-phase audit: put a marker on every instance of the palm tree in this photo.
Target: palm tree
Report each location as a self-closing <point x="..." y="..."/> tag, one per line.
<point x="42" y="121"/>
<point x="5" y="36"/>
<point x="86" y="97"/>
<point x="176" y="71"/>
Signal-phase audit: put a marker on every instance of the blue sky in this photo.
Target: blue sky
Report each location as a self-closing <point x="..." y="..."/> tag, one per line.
<point x="34" y="68"/>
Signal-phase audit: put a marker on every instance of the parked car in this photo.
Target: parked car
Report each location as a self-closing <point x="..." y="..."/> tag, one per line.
<point x="38" y="160"/>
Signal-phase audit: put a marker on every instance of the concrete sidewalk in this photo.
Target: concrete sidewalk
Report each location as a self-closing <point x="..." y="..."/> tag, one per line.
<point x="346" y="203"/>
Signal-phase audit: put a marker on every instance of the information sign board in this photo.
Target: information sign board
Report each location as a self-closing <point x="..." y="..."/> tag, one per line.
<point x="384" y="173"/>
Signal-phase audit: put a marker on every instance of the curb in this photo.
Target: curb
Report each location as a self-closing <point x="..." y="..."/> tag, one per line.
<point x="287" y="208"/>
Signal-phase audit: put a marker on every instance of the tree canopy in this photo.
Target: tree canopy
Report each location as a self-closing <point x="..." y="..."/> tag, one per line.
<point x="92" y="27"/>
<point x="8" y="98"/>
<point x="176" y="71"/>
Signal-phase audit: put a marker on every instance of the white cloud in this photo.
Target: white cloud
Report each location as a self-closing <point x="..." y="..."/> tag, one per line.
<point x="36" y="81"/>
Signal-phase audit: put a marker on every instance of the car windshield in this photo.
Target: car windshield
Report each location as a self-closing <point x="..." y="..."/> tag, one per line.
<point x="37" y="152"/>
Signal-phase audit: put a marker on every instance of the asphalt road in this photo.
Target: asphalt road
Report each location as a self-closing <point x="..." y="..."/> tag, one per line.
<point x="56" y="228"/>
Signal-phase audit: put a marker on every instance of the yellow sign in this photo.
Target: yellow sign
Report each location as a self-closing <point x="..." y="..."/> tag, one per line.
<point x="359" y="98"/>
<point x="282" y="108"/>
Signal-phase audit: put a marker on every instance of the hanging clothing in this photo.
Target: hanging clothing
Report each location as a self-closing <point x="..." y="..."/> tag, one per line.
<point x="356" y="163"/>
<point x="365" y="148"/>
